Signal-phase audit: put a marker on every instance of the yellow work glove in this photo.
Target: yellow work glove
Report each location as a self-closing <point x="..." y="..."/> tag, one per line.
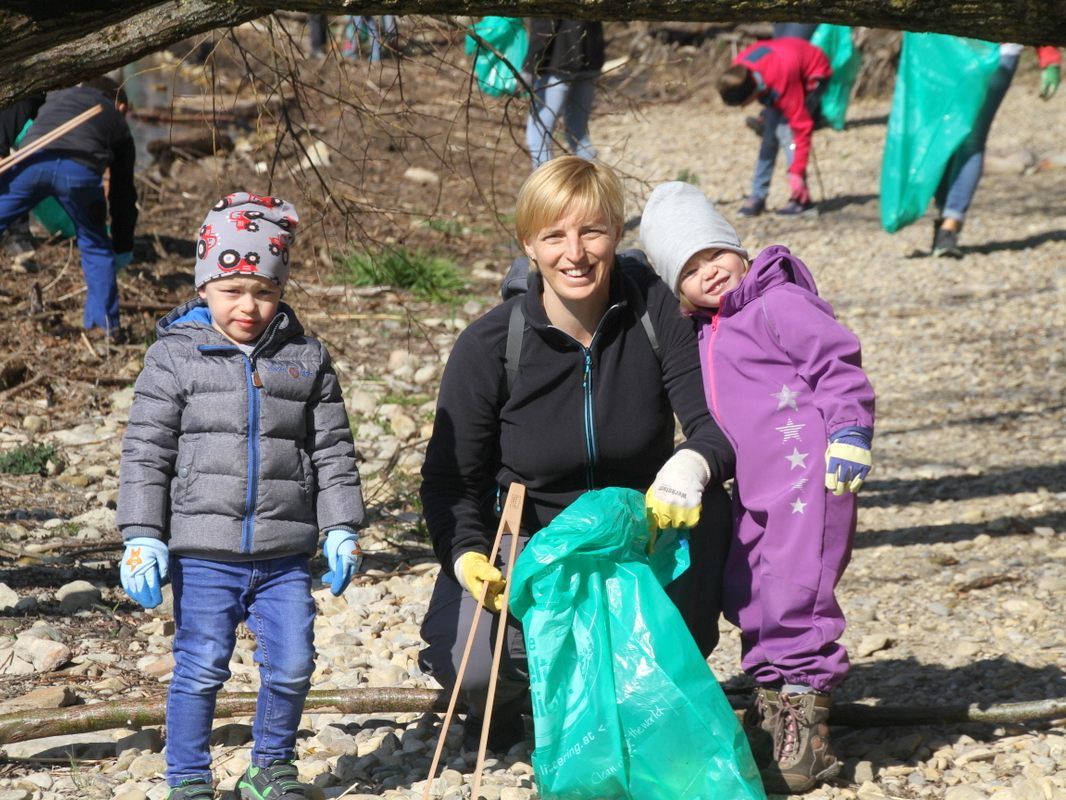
<point x="675" y="497"/>
<point x="847" y="460"/>
<point x="473" y="571"/>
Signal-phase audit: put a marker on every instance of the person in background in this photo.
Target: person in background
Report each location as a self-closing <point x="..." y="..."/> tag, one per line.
<point x="238" y="457"/>
<point x="963" y="173"/>
<point x="318" y="35"/>
<point x="71" y="169"/>
<point x="784" y="380"/>
<point x="561" y="66"/>
<point x="18" y="241"/>
<point x="788" y="76"/>
<point x="782" y="30"/>
<point x="367" y="27"/>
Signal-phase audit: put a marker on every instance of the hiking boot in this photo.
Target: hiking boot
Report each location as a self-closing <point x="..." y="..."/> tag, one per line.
<point x="789" y="739"/>
<point x="507" y="730"/>
<point x="192" y="789"/>
<point x="794" y="208"/>
<point x="752" y="206"/>
<point x="276" y="782"/>
<point x="945" y="243"/>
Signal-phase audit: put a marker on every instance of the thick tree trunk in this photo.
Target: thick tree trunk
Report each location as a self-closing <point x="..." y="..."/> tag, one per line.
<point x="53" y="43"/>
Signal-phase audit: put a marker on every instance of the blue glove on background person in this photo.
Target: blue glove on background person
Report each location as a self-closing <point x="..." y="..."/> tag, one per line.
<point x="145" y="565"/>
<point x="342" y="553"/>
<point x="122" y="260"/>
<point x="847" y="459"/>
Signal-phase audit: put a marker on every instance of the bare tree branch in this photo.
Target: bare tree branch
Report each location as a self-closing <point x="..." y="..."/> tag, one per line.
<point x="54" y="43"/>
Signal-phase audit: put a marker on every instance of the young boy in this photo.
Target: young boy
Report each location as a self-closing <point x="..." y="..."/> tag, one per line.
<point x="238" y="453"/>
<point x="788" y="76"/>
<point x="784" y="381"/>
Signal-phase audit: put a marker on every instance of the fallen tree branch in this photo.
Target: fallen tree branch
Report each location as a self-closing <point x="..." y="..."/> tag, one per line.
<point x="19" y="726"/>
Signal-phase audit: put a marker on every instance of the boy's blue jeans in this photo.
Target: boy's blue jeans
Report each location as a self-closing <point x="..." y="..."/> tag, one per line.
<point x="557" y="96"/>
<point x="81" y="193"/>
<point x="273" y="597"/>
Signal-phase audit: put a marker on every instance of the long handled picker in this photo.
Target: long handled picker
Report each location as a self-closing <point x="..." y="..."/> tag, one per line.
<point x="510" y="522"/>
<point x="48" y="138"/>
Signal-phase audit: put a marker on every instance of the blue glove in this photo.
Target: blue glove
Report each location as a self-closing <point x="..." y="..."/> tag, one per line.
<point x="145" y="565"/>
<point x="122" y="260"/>
<point x="847" y="459"/>
<point x="344" y="557"/>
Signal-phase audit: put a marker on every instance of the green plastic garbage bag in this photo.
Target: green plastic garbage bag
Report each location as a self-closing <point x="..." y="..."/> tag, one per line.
<point x="508" y="36"/>
<point x="845" y="59"/>
<point x="48" y="212"/>
<point x="940" y="87"/>
<point x="624" y="706"/>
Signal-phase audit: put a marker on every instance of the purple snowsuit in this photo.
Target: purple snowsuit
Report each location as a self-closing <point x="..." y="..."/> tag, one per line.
<point x="781" y="374"/>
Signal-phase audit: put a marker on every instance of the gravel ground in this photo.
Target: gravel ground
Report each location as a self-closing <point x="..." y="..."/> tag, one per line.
<point x="957" y="587"/>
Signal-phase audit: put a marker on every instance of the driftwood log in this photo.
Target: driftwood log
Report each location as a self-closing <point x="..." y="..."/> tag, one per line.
<point x="19" y="726"/>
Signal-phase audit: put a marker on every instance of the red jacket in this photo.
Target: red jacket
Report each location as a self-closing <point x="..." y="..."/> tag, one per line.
<point x="789" y="68"/>
<point x="1048" y="55"/>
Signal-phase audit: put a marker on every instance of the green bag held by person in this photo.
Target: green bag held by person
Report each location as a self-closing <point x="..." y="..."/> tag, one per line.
<point x="940" y="87"/>
<point x="508" y="36"/>
<point x="624" y="706"/>
<point x="845" y="59"/>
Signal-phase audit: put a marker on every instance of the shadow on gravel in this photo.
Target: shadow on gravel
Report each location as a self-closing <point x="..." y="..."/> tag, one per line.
<point x="897" y="492"/>
<point x="1027" y="243"/>
<point x="843" y="201"/>
<point x="906" y="682"/>
<point x="862" y="122"/>
<point x="959" y="531"/>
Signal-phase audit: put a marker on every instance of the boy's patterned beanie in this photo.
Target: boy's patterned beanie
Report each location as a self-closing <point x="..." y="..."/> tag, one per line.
<point x="677" y="223"/>
<point x="246" y="234"/>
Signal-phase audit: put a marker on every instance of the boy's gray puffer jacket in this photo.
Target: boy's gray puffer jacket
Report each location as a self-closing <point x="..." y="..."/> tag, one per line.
<point x="231" y="456"/>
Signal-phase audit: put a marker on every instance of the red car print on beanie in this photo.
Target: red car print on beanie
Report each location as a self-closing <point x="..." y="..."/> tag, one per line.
<point x="246" y="234"/>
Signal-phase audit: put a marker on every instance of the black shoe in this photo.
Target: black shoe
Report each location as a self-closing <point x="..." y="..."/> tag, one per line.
<point x="507" y="730"/>
<point x="755" y="124"/>
<point x="795" y="208"/>
<point x="946" y="243"/>
<point x="752" y="206"/>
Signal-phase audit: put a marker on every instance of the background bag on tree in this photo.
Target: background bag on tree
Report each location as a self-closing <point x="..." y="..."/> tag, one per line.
<point x="508" y="36"/>
<point x="624" y="706"/>
<point x="940" y="87"/>
<point x="845" y="59"/>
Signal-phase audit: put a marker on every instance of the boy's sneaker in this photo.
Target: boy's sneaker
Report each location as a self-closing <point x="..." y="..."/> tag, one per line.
<point x="191" y="789"/>
<point x="794" y="208"/>
<point x="789" y="738"/>
<point x="755" y="125"/>
<point x="276" y="782"/>
<point x="752" y="206"/>
<point x="946" y="243"/>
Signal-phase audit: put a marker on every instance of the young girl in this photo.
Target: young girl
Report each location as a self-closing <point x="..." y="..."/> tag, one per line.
<point x="783" y="380"/>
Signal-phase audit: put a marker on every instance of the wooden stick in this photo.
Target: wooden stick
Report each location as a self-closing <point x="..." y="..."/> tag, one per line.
<point x="514" y="503"/>
<point x="48" y="138"/>
<point x="510" y="519"/>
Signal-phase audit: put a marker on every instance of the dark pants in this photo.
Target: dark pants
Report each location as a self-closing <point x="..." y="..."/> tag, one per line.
<point x="697" y="594"/>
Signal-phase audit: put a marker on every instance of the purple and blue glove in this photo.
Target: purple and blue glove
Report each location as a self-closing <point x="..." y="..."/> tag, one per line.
<point x="145" y="565"/>
<point x="847" y="459"/>
<point x="342" y="553"/>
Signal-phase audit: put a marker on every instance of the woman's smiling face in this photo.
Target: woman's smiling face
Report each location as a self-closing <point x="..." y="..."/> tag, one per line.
<point x="575" y="255"/>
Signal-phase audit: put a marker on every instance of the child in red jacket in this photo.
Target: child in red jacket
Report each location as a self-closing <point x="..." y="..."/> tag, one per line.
<point x="788" y="76"/>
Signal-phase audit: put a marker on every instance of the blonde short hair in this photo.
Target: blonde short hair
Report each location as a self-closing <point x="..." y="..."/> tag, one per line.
<point x="564" y="183"/>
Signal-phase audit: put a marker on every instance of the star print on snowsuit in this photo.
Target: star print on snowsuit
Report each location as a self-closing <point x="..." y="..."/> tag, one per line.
<point x="781" y="374"/>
